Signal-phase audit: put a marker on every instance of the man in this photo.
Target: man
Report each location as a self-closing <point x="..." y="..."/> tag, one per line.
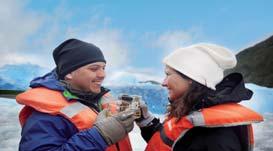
<point x="61" y="108"/>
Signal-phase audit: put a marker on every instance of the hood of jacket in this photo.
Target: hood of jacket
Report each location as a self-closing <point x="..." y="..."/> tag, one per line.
<point x="230" y="90"/>
<point x="49" y="81"/>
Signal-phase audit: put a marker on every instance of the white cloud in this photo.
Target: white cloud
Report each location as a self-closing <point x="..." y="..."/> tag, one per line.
<point x="29" y="37"/>
<point x="17" y="26"/>
<point x="44" y="61"/>
<point x="172" y="39"/>
<point x="113" y="45"/>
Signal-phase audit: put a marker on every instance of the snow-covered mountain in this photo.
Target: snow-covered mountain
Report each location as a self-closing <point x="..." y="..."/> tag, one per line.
<point x="17" y="77"/>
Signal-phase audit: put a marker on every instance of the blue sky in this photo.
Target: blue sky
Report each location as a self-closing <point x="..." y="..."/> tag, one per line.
<point x="134" y="35"/>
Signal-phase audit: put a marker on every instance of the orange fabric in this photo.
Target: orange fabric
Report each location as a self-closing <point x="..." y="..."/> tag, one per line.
<point x="124" y="145"/>
<point x="216" y="116"/>
<point x="24" y="114"/>
<point x="231" y="113"/>
<point x="251" y="137"/>
<point x="84" y="119"/>
<point x="52" y="102"/>
<point x="173" y="129"/>
<point x="156" y="144"/>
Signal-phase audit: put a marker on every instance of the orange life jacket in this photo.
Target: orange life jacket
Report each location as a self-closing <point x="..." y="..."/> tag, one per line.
<point x="224" y="115"/>
<point x="54" y="103"/>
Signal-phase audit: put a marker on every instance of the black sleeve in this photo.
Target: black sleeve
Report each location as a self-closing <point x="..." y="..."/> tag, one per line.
<point x="148" y="132"/>
<point x="209" y="139"/>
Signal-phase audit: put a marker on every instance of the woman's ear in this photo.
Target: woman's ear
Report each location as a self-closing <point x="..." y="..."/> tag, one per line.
<point x="190" y="81"/>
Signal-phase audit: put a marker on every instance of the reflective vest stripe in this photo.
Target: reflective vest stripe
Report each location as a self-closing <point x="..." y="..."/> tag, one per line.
<point x="250" y="138"/>
<point x="73" y="109"/>
<point x="196" y="118"/>
<point x="220" y="116"/>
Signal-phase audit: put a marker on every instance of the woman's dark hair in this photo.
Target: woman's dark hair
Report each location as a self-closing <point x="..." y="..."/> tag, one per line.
<point x="188" y="102"/>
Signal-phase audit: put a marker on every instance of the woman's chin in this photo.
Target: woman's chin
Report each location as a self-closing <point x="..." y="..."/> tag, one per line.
<point x="170" y="97"/>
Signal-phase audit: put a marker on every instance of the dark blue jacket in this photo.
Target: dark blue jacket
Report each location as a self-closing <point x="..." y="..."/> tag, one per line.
<point x="55" y="133"/>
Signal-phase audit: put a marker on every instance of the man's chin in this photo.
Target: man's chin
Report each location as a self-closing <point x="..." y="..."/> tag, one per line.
<point x="96" y="91"/>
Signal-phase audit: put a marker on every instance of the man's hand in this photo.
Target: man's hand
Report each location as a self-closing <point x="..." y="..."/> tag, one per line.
<point x="116" y="127"/>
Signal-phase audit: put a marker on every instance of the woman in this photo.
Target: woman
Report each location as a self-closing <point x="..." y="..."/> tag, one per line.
<point x="204" y="114"/>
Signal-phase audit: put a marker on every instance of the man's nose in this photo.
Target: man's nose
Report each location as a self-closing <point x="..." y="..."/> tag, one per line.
<point x="101" y="73"/>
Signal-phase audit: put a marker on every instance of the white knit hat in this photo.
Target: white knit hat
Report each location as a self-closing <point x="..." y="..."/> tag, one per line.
<point x="204" y="62"/>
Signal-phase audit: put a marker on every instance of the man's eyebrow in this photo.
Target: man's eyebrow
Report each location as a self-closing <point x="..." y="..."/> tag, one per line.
<point x="96" y="65"/>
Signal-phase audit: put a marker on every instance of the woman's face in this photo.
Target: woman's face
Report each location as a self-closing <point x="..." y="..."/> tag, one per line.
<point x="175" y="84"/>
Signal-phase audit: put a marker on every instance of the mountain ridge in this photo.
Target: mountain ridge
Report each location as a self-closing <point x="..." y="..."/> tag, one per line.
<point x="255" y="63"/>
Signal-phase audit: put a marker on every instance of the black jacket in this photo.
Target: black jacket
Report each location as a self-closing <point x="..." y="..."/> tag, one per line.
<point x="231" y="89"/>
<point x="214" y="139"/>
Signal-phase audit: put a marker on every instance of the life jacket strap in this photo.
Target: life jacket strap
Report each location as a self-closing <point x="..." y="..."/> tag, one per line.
<point x="165" y="138"/>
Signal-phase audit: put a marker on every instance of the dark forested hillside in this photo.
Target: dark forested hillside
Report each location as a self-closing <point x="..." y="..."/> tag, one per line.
<point x="256" y="63"/>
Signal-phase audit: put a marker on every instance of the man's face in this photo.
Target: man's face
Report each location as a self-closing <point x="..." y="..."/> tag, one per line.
<point x="88" y="78"/>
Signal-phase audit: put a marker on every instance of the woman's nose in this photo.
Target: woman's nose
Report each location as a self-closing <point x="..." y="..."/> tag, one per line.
<point x="164" y="83"/>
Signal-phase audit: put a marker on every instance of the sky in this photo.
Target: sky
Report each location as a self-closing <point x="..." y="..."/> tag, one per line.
<point x="134" y="35"/>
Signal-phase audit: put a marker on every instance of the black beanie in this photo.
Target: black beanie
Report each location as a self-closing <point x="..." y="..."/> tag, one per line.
<point x="73" y="54"/>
